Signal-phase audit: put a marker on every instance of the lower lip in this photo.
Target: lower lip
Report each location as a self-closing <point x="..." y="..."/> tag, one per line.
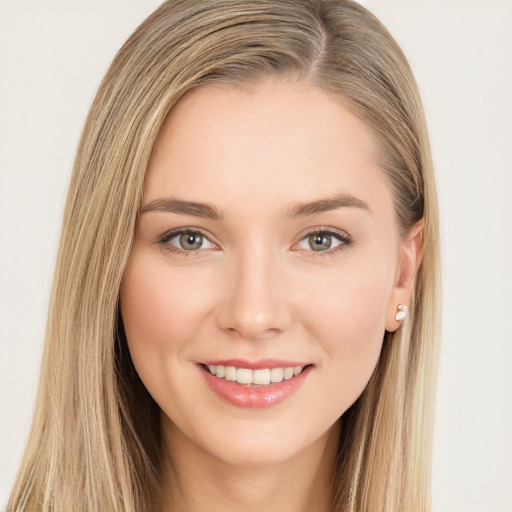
<point x="257" y="397"/>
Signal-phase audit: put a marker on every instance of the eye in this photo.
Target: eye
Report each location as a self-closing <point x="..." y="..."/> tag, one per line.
<point x="324" y="241"/>
<point x="186" y="240"/>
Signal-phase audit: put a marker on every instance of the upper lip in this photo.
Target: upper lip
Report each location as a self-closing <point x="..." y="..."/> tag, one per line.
<point x="255" y="365"/>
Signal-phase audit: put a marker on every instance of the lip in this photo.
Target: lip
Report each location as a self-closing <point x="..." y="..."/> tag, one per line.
<point x="256" y="365"/>
<point x="255" y="397"/>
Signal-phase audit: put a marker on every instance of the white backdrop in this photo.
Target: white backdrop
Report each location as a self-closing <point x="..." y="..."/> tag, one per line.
<point x="52" y="57"/>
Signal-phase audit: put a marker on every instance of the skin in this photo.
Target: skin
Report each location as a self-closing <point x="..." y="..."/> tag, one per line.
<point x="256" y="289"/>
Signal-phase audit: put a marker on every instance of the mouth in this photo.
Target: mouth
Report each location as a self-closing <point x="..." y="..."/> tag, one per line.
<point x="254" y="377"/>
<point x="254" y="385"/>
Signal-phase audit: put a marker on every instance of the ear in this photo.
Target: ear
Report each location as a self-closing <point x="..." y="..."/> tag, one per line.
<point x="410" y="255"/>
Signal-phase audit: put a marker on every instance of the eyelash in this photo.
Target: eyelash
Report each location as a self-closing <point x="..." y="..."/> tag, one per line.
<point x="344" y="238"/>
<point x="169" y="235"/>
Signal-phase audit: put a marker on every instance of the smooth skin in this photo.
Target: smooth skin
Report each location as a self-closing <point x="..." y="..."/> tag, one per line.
<point x="256" y="274"/>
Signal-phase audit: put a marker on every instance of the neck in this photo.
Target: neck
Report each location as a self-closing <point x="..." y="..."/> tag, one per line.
<point x="196" y="481"/>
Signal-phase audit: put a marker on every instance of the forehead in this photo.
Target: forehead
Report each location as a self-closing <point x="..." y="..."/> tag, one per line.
<point x="282" y="142"/>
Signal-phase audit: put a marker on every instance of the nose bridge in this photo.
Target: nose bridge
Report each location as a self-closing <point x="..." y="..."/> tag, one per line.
<point x="255" y="303"/>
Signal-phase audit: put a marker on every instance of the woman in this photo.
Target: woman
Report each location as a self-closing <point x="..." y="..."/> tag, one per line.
<point x="245" y="301"/>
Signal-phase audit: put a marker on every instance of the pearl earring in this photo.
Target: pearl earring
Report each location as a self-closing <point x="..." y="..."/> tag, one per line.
<point x="401" y="312"/>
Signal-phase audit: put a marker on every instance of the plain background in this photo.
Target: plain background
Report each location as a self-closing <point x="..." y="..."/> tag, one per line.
<point x="52" y="57"/>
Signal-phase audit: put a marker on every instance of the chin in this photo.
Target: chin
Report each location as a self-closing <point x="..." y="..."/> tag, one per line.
<point x="256" y="444"/>
<point x="259" y="454"/>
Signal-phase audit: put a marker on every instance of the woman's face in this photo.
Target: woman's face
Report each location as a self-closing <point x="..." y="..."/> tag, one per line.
<point x="266" y="242"/>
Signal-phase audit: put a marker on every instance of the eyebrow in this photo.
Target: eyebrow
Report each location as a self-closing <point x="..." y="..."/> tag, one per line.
<point x="209" y="211"/>
<point x="324" y="205"/>
<point x="174" y="205"/>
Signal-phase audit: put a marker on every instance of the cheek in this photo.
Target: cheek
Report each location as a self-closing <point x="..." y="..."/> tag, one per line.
<point x="161" y="311"/>
<point x="349" y="321"/>
<point x="156" y="299"/>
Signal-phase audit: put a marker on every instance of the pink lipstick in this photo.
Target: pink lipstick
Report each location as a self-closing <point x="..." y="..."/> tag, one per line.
<point x="254" y="384"/>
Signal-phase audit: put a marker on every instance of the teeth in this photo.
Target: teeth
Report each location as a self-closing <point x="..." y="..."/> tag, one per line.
<point x="288" y="373"/>
<point x="230" y="373"/>
<point x="276" y="374"/>
<point x="262" y="377"/>
<point x="244" y="376"/>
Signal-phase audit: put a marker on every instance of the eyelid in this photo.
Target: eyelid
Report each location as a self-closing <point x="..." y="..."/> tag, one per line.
<point x="345" y="238"/>
<point x="172" y="233"/>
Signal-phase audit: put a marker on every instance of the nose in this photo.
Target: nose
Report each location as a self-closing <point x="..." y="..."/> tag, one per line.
<point x="255" y="303"/>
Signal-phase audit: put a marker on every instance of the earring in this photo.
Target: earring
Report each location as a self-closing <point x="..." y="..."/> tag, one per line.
<point x="401" y="312"/>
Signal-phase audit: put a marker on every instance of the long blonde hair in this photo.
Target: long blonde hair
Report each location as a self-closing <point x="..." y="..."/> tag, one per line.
<point x="95" y="439"/>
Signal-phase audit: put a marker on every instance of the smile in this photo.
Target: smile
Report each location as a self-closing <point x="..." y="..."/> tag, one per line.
<point x="259" y="384"/>
<point x="259" y="377"/>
